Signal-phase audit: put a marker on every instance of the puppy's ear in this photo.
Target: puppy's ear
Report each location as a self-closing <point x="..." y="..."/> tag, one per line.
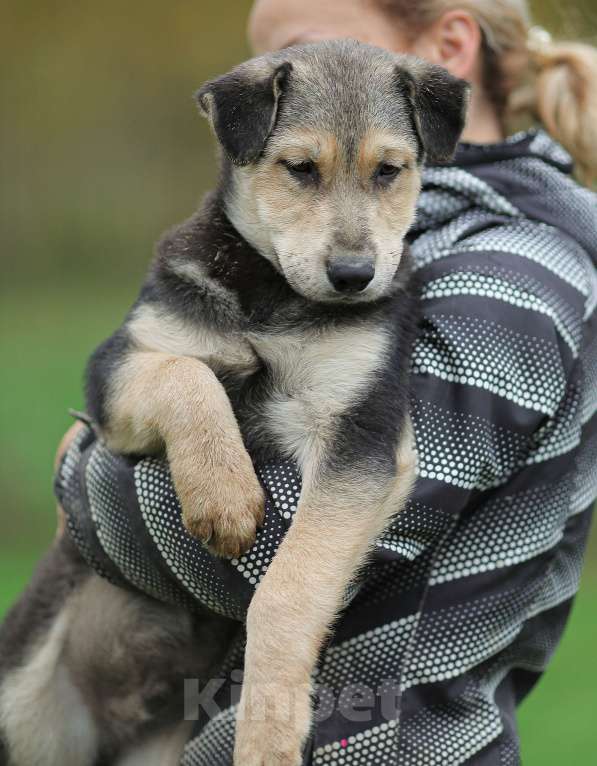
<point x="439" y="103"/>
<point x="242" y="107"/>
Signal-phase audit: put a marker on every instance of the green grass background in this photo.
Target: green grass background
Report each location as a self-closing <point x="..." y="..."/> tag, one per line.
<point x="100" y="150"/>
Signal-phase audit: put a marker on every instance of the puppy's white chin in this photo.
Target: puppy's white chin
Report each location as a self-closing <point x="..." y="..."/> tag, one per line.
<point x="332" y="297"/>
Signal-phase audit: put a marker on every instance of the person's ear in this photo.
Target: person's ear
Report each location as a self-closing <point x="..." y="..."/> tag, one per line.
<point x="438" y="102"/>
<point x="242" y="107"/>
<point x="453" y="41"/>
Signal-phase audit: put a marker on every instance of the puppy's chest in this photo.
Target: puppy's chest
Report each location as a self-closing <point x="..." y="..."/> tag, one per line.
<point x="307" y="379"/>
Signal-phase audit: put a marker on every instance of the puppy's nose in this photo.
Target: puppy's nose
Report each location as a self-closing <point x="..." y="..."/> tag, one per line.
<point x="350" y="275"/>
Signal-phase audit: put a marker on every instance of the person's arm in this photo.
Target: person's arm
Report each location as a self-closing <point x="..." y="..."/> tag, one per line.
<point x="490" y="374"/>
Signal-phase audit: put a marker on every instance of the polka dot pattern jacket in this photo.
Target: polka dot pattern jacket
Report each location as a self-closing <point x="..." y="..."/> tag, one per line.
<point x="469" y="591"/>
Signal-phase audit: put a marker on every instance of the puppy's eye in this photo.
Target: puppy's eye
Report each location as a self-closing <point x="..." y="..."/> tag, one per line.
<point x="386" y="173"/>
<point x="303" y="171"/>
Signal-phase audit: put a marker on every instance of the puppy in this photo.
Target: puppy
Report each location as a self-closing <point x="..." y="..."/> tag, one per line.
<point x="276" y="323"/>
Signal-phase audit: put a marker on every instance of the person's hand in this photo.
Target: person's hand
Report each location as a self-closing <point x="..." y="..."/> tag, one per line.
<point x="67" y="440"/>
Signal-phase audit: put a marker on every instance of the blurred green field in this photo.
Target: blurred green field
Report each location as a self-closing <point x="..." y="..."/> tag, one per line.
<point x="101" y="148"/>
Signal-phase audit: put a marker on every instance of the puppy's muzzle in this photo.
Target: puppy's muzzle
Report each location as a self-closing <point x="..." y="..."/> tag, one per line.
<point x="350" y="275"/>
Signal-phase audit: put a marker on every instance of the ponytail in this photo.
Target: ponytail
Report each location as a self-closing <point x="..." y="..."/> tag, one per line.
<point x="565" y="99"/>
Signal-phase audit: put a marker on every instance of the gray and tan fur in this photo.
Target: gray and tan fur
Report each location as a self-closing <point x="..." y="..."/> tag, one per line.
<point x="277" y="323"/>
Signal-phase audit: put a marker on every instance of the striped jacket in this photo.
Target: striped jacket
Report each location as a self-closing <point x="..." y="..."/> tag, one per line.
<point x="468" y="592"/>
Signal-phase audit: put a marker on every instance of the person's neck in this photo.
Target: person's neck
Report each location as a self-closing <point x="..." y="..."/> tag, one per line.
<point x="483" y="125"/>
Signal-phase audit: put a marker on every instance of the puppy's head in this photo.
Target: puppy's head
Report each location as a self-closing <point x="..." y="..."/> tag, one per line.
<point x="323" y="147"/>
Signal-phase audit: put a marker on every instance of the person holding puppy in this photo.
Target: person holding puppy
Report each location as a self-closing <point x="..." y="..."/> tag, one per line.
<point x="469" y="591"/>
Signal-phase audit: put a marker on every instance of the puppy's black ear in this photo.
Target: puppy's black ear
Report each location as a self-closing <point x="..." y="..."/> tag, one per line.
<point x="439" y="102"/>
<point x="242" y="107"/>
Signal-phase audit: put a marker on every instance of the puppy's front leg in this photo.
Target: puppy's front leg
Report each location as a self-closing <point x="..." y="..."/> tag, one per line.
<point x="155" y="398"/>
<point x="340" y="515"/>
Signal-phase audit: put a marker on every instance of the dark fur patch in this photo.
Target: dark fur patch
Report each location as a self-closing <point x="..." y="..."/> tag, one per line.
<point x="209" y="239"/>
<point x="103" y="362"/>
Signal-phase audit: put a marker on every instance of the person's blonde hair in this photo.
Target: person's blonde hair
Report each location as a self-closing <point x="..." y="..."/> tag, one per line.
<point x="526" y="71"/>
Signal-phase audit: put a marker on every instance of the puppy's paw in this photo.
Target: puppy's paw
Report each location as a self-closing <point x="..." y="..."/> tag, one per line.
<point x="272" y="726"/>
<point x="226" y="520"/>
<point x="222" y="501"/>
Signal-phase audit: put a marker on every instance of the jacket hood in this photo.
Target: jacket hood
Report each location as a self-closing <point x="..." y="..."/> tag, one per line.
<point x="528" y="175"/>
